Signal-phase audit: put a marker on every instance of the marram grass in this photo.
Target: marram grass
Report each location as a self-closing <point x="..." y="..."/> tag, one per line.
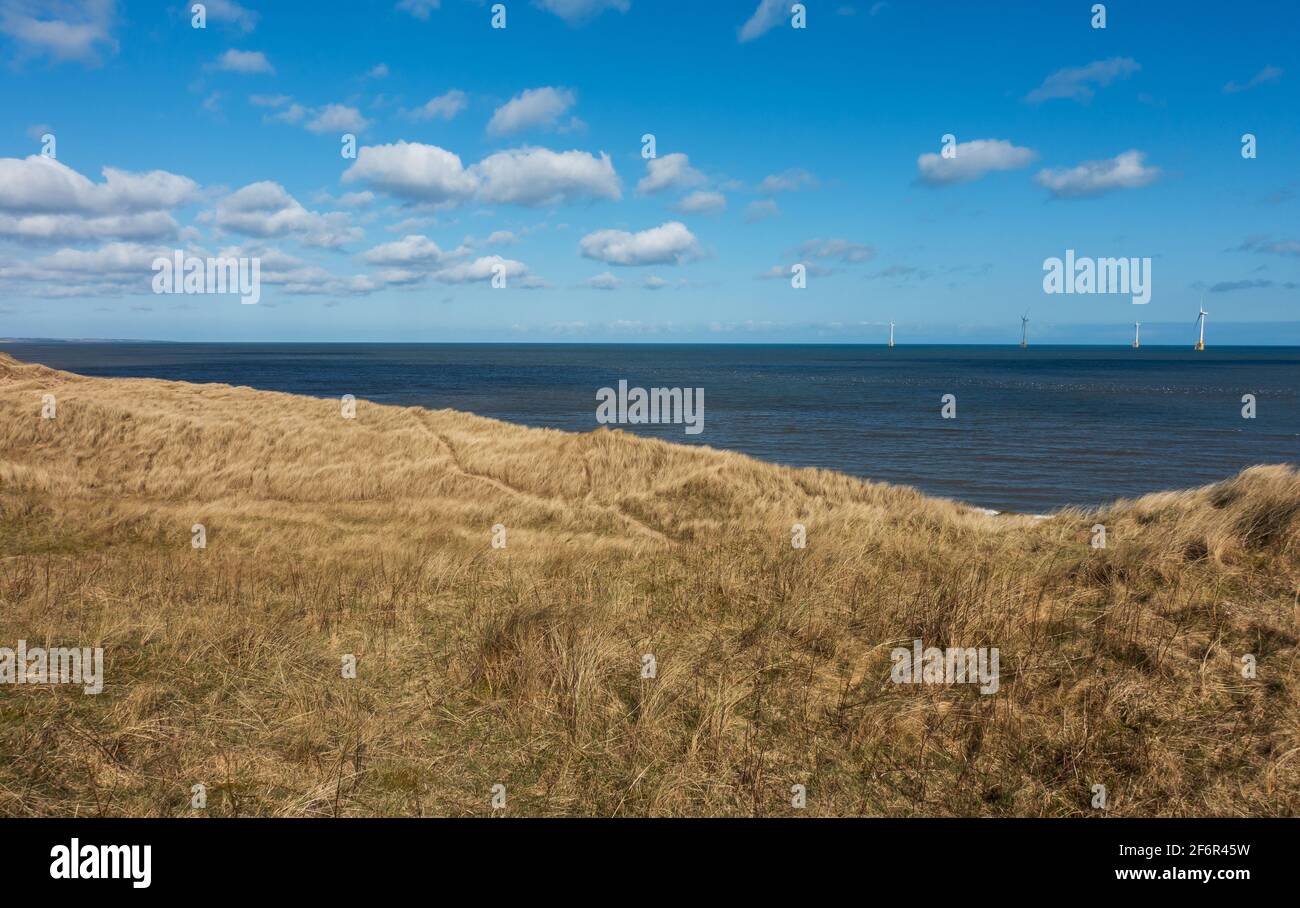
<point x="522" y="666"/>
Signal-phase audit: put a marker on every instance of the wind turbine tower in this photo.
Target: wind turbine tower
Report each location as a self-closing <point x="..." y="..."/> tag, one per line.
<point x="1137" y="335"/>
<point x="891" y="334"/>
<point x="1200" y="319"/>
<point x="1024" y="330"/>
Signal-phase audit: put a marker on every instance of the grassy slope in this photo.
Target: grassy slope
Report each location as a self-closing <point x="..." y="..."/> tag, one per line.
<point x="521" y="665"/>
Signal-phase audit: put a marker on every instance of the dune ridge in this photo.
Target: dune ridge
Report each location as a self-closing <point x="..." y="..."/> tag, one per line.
<point x="522" y="665"/>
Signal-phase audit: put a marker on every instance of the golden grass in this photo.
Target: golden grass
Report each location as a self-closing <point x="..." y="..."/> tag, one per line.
<point x="522" y="666"/>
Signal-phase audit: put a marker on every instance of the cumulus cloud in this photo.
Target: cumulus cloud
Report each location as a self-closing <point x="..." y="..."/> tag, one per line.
<point x="791" y="180"/>
<point x="443" y="107"/>
<point x="1124" y="171"/>
<point x="524" y="176"/>
<point x="337" y="118"/>
<point x="1263" y="77"/>
<point x="40" y="184"/>
<point x="60" y="29"/>
<point x="266" y="209"/>
<point x="672" y="171"/>
<point x="538" y="176"/>
<point x="243" y="61"/>
<point x="409" y="250"/>
<point x="973" y="160"/>
<point x="765" y="18"/>
<point x="502" y="238"/>
<point x="481" y="269"/>
<point x="43" y="199"/>
<point x="573" y="11"/>
<point x="702" y="202"/>
<point x="670" y="243"/>
<point x="1077" y="82"/>
<point x="227" y="12"/>
<point x="295" y="276"/>
<point x="603" y="281"/>
<point x="413" y="171"/>
<point x="534" y="108"/>
<point x="149" y="225"/>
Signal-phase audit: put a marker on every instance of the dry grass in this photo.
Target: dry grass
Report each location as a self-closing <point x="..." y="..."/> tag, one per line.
<point x="521" y="665"/>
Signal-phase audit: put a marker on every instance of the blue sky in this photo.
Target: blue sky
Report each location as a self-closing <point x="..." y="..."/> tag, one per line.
<point x="522" y="147"/>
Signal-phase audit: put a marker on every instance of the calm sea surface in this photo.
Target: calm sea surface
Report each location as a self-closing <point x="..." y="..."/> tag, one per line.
<point x="1036" y="429"/>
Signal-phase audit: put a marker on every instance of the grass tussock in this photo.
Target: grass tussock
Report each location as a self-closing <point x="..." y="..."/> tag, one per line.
<point x="523" y="665"/>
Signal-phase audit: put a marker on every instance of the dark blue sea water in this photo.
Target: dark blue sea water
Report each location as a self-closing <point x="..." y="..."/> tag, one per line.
<point x="1035" y="429"/>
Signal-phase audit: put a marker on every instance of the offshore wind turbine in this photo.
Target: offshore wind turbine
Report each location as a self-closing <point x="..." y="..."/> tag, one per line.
<point x="1137" y="335"/>
<point x="1024" y="329"/>
<point x="1200" y="320"/>
<point x="891" y="334"/>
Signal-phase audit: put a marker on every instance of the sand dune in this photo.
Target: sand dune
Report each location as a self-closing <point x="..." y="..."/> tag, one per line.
<point x="522" y="666"/>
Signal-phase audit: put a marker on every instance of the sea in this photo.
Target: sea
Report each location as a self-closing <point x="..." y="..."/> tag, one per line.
<point x="1031" y="430"/>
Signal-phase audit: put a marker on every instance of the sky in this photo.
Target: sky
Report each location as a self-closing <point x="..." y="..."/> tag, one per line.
<point x="520" y="153"/>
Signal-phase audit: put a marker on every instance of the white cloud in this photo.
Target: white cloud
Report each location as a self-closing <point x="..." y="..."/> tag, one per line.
<point x="337" y="118"/>
<point x="243" y="61"/>
<point x="42" y="199"/>
<point x="300" y="278"/>
<point x="502" y="238"/>
<point x="536" y="107"/>
<point x="266" y="209"/>
<point x="572" y="11"/>
<point x="765" y="18"/>
<point x="1124" y="171"/>
<point x="672" y="171"/>
<point x="413" y="171"/>
<point x="227" y="12"/>
<point x="481" y="269"/>
<point x="61" y="29"/>
<point x="443" y="107"/>
<point x="40" y="184"/>
<point x="791" y="180"/>
<point x="654" y="282"/>
<point x="539" y="176"/>
<point x="409" y="250"/>
<point x="602" y="281"/>
<point x="356" y="199"/>
<point x="294" y="113"/>
<point x="972" y="160"/>
<point x="148" y="225"/>
<point x="522" y="176"/>
<point x="378" y="71"/>
<point x="420" y="9"/>
<point x="670" y="243"/>
<point x="1077" y="82"/>
<point x="702" y="203"/>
